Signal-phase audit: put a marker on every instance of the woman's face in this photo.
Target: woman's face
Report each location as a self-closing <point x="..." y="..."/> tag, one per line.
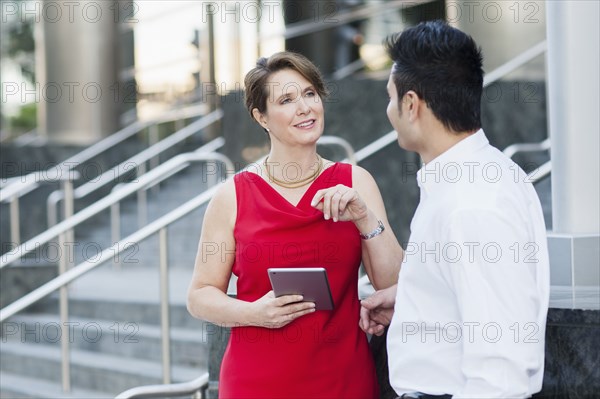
<point x="294" y="114"/>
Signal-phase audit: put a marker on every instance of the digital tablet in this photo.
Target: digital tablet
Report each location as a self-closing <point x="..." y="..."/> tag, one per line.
<point x="310" y="282"/>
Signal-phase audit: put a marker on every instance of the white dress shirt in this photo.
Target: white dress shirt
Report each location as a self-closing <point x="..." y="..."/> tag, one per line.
<point x="473" y="290"/>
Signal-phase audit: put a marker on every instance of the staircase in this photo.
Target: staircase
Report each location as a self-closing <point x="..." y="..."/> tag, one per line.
<point x="115" y="346"/>
<point x="114" y="311"/>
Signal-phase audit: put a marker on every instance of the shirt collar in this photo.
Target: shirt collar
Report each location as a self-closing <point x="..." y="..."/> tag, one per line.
<point x="431" y="173"/>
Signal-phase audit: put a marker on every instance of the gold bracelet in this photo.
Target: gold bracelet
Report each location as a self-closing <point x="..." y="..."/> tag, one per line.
<point x="378" y="230"/>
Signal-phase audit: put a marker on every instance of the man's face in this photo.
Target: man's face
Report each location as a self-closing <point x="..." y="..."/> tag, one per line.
<point x="394" y="114"/>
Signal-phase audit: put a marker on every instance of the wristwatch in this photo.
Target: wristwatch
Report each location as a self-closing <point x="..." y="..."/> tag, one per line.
<point x="378" y="230"/>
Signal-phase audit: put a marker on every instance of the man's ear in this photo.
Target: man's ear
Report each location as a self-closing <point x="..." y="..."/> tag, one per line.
<point x="260" y="118"/>
<point x="412" y="104"/>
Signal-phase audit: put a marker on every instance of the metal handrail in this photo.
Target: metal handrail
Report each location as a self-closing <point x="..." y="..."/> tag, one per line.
<point x="67" y="276"/>
<point x="348" y="69"/>
<point x="104" y="203"/>
<point x="539" y="173"/>
<point x="334" y="140"/>
<point x="514" y="149"/>
<point x="104" y="256"/>
<point x="25" y="184"/>
<point x="509" y="151"/>
<point x="377" y="145"/>
<point x="199" y="385"/>
<point x="103" y="145"/>
<point x="60" y="282"/>
<point x="22" y="185"/>
<point x="39" y="177"/>
<point x="514" y="63"/>
<point x="135" y="162"/>
<point x="489" y="78"/>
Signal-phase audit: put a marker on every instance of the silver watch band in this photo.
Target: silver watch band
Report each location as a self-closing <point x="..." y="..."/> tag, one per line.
<point x="378" y="230"/>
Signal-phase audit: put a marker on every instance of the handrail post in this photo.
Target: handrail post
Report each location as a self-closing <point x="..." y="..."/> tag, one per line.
<point x="115" y="230"/>
<point x="66" y="243"/>
<point x="212" y="179"/>
<point x="153" y="138"/>
<point x="15" y="222"/>
<point x="164" y="305"/>
<point x="66" y="247"/>
<point x="179" y="124"/>
<point x="64" y="317"/>
<point x="52" y="211"/>
<point x="69" y="211"/>
<point x="142" y="198"/>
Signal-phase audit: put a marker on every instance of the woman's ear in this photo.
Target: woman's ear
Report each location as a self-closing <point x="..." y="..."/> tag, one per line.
<point x="260" y="118"/>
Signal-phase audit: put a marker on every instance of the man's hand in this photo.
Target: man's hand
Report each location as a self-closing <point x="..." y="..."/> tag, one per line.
<point x="377" y="310"/>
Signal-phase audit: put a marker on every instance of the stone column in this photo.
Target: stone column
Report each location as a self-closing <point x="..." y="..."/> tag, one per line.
<point x="573" y="104"/>
<point x="78" y="70"/>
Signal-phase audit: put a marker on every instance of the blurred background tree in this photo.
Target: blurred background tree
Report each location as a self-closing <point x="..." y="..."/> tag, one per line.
<point x="21" y="47"/>
<point x="17" y="51"/>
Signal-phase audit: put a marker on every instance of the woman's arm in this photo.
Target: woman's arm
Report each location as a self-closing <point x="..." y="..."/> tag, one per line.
<point x="382" y="255"/>
<point x="207" y="294"/>
<point x="362" y="204"/>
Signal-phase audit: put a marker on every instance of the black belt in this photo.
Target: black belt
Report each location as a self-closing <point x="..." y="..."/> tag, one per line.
<point x="421" y="395"/>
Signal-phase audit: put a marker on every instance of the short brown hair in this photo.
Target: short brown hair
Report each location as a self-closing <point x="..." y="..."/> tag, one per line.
<point x="257" y="92"/>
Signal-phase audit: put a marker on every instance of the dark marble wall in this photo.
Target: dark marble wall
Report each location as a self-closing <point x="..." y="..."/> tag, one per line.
<point x="572" y="369"/>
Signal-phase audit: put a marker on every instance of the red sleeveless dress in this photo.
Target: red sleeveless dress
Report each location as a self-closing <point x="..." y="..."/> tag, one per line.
<point x="323" y="354"/>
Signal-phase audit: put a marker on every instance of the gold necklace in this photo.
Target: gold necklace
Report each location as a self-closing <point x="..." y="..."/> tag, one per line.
<point x="297" y="183"/>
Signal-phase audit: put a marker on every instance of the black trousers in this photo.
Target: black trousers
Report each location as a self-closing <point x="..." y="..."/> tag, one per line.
<point x="420" y="395"/>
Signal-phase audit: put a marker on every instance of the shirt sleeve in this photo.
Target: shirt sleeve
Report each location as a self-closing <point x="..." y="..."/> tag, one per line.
<point x="490" y="264"/>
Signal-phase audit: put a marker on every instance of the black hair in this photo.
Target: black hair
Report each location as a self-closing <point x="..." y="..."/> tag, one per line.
<point x="444" y="67"/>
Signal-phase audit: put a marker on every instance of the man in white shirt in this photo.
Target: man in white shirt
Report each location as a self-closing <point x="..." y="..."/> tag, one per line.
<point x="468" y="314"/>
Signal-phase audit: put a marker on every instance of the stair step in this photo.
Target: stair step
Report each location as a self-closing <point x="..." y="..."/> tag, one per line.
<point x="110" y="305"/>
<point x="142" y="341"/>
<point x="14" y="386"/>
<point x="140" y="311"/>
<point x="89" y="370"/>
<point x="185" y="232"/>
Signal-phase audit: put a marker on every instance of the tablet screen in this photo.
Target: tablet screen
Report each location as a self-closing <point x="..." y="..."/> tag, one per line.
<point x="310" y="282"/>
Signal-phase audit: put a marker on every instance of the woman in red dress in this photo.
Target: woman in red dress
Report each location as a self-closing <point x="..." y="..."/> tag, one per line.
<point x="293" y="210"/>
